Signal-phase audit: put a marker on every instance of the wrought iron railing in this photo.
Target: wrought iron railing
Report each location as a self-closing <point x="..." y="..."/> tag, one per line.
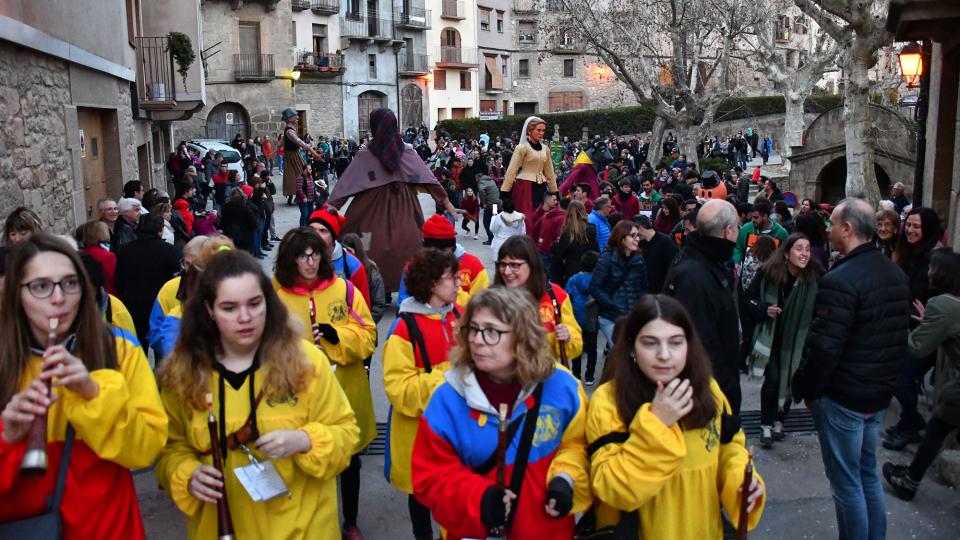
<point x="155" y="73"/>
<point x="525" y="6"/>
<point x="457" y="55"/>
<point x="325" y="6"/>
<point x="414" y="63"/>
<point x="253" y="66"/>
<point x="318" y="61"/>
<point x="413" y="17"/>
<point x="367" y="27"/>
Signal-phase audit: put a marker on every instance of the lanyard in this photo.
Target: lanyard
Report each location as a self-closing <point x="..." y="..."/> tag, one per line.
<point x="253" y="408"/>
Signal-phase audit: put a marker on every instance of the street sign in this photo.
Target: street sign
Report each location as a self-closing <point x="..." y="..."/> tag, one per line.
<point x="491" y="115"/>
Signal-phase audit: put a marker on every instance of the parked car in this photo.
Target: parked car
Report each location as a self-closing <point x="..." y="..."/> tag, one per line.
<point x="231" y="156"/>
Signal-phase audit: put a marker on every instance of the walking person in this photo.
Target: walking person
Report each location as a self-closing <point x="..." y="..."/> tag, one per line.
<point x="502" y="360"/>
<point x="577" y="237"/>
<point x="470" y="205"/>
<point x="489" y="195"/>
<point x="620" y="278"/>
<point x="507" y="223"/>
<point x="664" y="457"/>
<point x="939" y="328"/>
<point x="292" y="163"/>
<point x="415" y="359"/>
<point x="602" y="208"/>
<point x="854" y="350"/>
<point x="306" y="196"/>
<point x="781" y="297"/>
<point x="299" y="424"/>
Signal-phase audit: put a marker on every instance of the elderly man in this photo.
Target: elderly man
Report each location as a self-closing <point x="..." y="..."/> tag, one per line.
<point x="109" y="212"/>
<point x="124" y="230"/>
<point x="851" y="360"/>
<point x="703" y="281"/>
<point x="897" y="197"/>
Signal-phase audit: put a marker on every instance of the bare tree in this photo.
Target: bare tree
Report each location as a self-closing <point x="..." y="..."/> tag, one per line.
<point x="793" y="72"/>
<point x="676" y="53"/>
<point x="859" y="26"/>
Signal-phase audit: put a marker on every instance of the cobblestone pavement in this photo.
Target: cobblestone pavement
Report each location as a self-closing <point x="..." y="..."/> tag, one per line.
<point x="799" y="504"/>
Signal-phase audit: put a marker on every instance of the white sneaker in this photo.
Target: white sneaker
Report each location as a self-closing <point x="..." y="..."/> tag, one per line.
<point x="475" y="237"/>
<point x="778" y="434"/>
<point x="766" y="436"/>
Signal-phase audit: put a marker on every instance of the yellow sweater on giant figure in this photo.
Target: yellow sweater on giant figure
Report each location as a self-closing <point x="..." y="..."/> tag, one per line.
<point x="532" y="165"/>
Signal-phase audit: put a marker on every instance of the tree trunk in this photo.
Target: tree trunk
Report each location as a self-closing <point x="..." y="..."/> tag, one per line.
<point x="857" y="128"/>
<point x="793" y="125"/>
<point x="656" y="141"/>
<point x="690" y="136"/>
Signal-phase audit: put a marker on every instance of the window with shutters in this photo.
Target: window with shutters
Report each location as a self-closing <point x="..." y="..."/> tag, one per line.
<point x="526" y="32"/>
<point x="782" y="28"/>
<point x="485" y="19"/>
<point x="500" y="22"/>
<point x="440" y="79"/>
<point x="568" y="67"/>
<point x="523" y="68"/>
<point x="372" y="66"/>
<point x="319" y="38"/>
<point x="465" y="80"/>
<point x="566" y="101"/>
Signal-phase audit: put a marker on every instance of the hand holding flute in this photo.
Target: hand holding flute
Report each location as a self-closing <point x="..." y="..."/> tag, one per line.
<point x="206" y="484"/>
<point x="563" y="336"/>
<point x="750" y="491"/>
<point x="35" y="458"/>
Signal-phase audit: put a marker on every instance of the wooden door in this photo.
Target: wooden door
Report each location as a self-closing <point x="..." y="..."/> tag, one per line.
<point x="91" y="158"/>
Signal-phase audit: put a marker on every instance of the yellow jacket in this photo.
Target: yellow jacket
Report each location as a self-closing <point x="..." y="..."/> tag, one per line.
<point x="310" y="510"/>
<point x="677" y="479"/>
<point x="121" y="316"/>
<point x="529" y="164"/>
<point x="573" y="347"/>
<point x="357" y="342"/>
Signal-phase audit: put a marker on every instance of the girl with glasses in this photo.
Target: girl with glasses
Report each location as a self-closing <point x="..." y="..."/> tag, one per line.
<point x="274" y="399"/>
<point x="415" y="359"/>
<point x="501" y="359"/>
<point x="334" y="315"/>
<point x="102" y="388"/>
<point x="519" y="266"/>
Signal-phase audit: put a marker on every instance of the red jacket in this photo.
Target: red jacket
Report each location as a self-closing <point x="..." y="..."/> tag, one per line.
<point x="547" y="226"/>
<point x="183" y="207"/>
<point x="109" y="263"/>
<point x="629" y="208"/>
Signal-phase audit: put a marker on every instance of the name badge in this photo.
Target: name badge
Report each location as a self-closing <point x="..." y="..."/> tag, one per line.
<point x="260" y="479"/>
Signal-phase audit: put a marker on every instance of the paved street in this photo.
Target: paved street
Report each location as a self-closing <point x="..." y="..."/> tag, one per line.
<point x="799" y="505"/>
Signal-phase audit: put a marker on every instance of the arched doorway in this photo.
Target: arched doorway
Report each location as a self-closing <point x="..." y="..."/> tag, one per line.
<point x="411" y="105"/>
<point x="832" y="181"/>
<point x="368" y="102"/>
<point x="226" y="120"/>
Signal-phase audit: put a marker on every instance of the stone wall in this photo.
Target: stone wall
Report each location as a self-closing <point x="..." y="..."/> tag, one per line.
<point x="323" y="101"/>
<point x="600" y="88"/>
<point x="35" y="162"/>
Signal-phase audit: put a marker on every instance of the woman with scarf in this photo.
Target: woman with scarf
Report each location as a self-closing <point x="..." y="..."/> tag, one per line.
<point x="334" y="315"/>
<point x="783" y="299"/>
<point x="292" y="161"/>
<point x="530" y="173"/>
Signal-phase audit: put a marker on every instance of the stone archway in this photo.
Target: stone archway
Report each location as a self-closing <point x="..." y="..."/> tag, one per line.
<point x="411" y="106"/>
<point x="226" y="120"/>
<point x="832" y="179"/>
<point x="368" y="102"/>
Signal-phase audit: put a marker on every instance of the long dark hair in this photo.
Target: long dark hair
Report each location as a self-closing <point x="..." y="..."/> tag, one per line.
<point x="294" y="244"/>
<point x="522" y="247"/>
<point x="95" y="341"/>
<point x="776" y="268"/>
<point x="906" y="254"/>
<point x="632" y="388"/>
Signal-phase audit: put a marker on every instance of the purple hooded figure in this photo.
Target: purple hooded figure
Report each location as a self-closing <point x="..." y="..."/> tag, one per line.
<point x="383" y="180"/>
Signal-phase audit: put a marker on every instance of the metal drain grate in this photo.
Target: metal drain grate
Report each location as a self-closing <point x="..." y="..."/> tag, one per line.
<point x="378" y="446"/>
<point x="798" y="421"/>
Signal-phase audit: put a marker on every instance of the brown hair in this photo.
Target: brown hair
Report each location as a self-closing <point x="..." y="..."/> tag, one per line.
<point x="776" y="268"/>
<point x="211" y="246"/>
<point x="425" y="269"/>
<point x="522" y="247"/>
<point x="575" y="222"/>
<point x="619" y="232"/>
<point x="516" y="308"/>
<point x="95" y="342"/>
<point x="632" y="388"/>
<point x="294" y="244"/>
<point x="94" y="232"/>
<point x="187" y="371"/>
<point x="21" y="219"/>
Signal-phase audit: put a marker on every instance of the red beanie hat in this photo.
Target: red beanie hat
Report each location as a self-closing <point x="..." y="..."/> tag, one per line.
<point x="438" y="232"/>
<point x="329" y="218"/>
<point x="247" y="190"/>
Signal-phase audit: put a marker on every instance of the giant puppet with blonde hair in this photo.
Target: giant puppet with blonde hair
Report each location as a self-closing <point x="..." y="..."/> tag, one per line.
<point x="530" y="173"/>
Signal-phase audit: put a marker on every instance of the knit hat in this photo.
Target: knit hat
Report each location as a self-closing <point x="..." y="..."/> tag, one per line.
<point x="330" y="219"/>
<point x="439" y="233"/>
<point x="247" y="190"/>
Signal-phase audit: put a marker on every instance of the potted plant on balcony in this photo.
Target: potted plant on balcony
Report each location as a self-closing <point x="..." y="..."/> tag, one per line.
<point x="182" y="50"/>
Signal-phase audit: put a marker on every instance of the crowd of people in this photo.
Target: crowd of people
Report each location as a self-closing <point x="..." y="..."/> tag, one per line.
<point x="491" y="432"/>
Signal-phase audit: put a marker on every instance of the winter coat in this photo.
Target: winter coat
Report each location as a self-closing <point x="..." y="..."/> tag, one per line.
<point x="238" y="221"/>
<point x="546" y="228"/>
<point x="473" y="275"/>
<point x="346" y="265"/>
<point x="858" y="337"/>
<point x="574" y="346"/>
<point x="584" y="306"/>
<point x="503" y="226"/>
<point x="567" y="252"/>
<point x="123" y="233"/>
<point x="618" y="282"/>
<point x="748" y="236"/>
<point x="458" y="431"/>
<point x="143" y="267"/>
<point x="658" y="254"/>
<point x="629" y="207"/>
<point x="941" y="328"/>
<point x="378" y="293"/>
<point x="488" y="192"/>
<point x="603" y="228"/>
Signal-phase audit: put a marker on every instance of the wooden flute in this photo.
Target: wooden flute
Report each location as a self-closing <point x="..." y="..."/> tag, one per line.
<point x="35" y="458"/>
<point x="502" y="443"/>
<point x="744" y="496"/>
<point x="224" y="522"/>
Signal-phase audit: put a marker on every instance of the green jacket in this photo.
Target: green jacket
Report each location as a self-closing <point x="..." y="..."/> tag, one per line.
<point x="940" y="328"/>
<point x="749" y="234"/>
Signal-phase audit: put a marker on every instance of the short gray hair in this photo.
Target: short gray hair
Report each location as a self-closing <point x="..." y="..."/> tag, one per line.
<point x="104" y="200"/>
<point x="859" y="214"/>
<point x="601" y="203"/>
<point x="726" y="216"/>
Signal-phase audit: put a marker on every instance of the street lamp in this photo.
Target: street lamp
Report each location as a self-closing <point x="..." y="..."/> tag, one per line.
<point x="294" y="77"/>
<point x="914" y="57"/>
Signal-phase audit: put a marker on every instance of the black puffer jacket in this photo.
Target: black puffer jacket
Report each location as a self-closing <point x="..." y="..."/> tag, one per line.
<point x="858" y="336"/>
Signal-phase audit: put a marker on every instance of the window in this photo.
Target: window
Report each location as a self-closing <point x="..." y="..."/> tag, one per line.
<point x="782" y="28"/>
<point x="372" y="66"/>
<point x="464" y="80"/>
<point x="568" y="67"/>
<point x="485" y="19"/>
<point x="249" y="38"/>
<point x="293" y="32"/>
<point x="565" y="101"/>
<point x="523" y="68"/>
<point x="319" y="38"/>
<point x="499" y="21"/>
<point x="440" y="79"/>
<point x="133" y="19"/>
<point x="527" y="32"/>
<point x="800" y="25"/>
<point x="504" y="60"/>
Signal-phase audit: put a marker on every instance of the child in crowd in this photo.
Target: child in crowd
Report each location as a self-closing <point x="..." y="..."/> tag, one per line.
<point x="585" y="312"/>
<point x="471" y="212"/>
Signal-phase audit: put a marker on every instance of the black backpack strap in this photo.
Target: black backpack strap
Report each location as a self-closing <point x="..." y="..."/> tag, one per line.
<point x="108" y="315"/>
<point x="523" y="451"/>
<point x="416" y="339"/>
<point x="614" y="437"/>
<point x="484" y="468"/>
<point x="62" y="472"/>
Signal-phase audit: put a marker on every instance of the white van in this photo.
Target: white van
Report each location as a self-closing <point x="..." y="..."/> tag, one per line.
<point x="231" y="156"/>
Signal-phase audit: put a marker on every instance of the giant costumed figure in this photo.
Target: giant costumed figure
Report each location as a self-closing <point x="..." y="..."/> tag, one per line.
<point x="585" y="168"/>
<point x="530" y="174"/>
<point x="383" y="180"/>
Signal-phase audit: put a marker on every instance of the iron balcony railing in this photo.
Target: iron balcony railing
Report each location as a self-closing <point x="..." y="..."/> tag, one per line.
<point x="525" y="6"/>
<point x="155" y="73"/>
<point x="456" y="56"/>
<point x="318" y="61"/>
<point x="253" y="67"/>
<point x="414" y="63"/>
<point x="452" y="9"/>
<point x="366" y="28"/>
<point x="329" y="7"/>
<point x="412" y="17"/>
<point x="300" y="5"/>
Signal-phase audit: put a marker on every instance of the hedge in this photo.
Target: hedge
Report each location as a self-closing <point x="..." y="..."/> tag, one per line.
<point x="633" y="119"/>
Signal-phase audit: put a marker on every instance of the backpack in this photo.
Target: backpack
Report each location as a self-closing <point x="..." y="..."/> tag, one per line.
<point x="416" y="336"/>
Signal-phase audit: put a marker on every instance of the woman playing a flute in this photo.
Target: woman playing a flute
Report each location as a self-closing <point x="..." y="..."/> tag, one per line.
<point x="275" y="399"/>
<point x="102" y="386"/>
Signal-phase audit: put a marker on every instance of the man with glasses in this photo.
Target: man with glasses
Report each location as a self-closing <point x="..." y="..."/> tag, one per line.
<point x="109" y="212"/>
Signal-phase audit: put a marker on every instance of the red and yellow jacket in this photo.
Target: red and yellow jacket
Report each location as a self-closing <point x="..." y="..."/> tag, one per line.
<point x="310" y="511"/>
<point x="458" y="431"/>
<point x="574" y="347"/>
<point x="677" y="479"/>
<point x="357" y="333"/>
<point x="473" y="275"/>
<point x="122" y="428"/>
<point x="407" y="383"/>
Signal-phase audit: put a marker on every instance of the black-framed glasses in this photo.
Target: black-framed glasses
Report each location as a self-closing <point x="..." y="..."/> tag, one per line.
<point x="491" y="336"/>
<point x="43" y="288"/>
<point x="513" y="266"/>
<point x="313" y="255"/>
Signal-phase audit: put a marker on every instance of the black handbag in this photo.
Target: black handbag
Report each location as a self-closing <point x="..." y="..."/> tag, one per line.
<point x="49" y="525"/>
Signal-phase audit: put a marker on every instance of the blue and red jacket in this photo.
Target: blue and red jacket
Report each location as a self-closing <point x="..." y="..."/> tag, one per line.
<point x="458" y="431"/>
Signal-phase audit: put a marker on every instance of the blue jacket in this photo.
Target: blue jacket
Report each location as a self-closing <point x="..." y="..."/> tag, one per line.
<point x="603" y="228"/>
<point x="618" y="282"/>
<point x="578" y="288"/>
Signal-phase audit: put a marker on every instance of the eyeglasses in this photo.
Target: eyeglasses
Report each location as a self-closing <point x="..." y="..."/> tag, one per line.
<point x="454" y="277"/>
<point x="312" y="256"/>
<point x="635" y="235"/>
<point x="43" y="288"/>
<point x="491" y="336"/>
<point x="512" y="266"/>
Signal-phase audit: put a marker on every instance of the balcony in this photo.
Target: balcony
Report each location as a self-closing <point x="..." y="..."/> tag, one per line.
<point x="566" y="45"/>
<point x="359" y="28"/>
<point x="414" y="65"/>
<point x="300" y="5"/>
<point x="489" y="87"/>
<point x="412" y="18"/>
<point x="253" y="67"/>
<point x="318" y="65"/>
<point x="526" y="36"/>
<point x="451" y="9"/>
<point x="325" y="7"/>
<point x="525" y="6"/>
<point x="456" y="57"/>
<point x="156" y="86"/>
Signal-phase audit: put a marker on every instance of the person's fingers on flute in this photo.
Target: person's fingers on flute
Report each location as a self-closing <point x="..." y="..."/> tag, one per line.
<point x="205" y="484"/>
<point x="756" y="491"/>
